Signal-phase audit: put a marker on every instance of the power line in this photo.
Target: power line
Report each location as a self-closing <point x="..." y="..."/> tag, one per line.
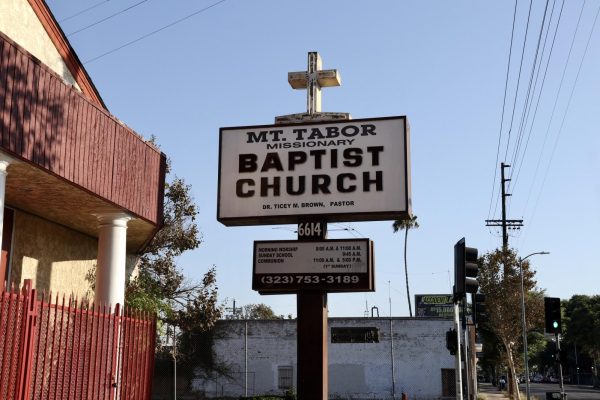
<point x="154" y="32"/>
<point x="84" y="10"/>
<point x="528" y="100"/>
<point x="548" y="130"/>
<point x="518" y="79"/>
<point x="569" y="101"/>
<point x="515" y="181"/>
<point x="503" y="107"/>
<point x="516" y="92"/>
<point x="527" y="103"/>
<point x="107" y="18"/>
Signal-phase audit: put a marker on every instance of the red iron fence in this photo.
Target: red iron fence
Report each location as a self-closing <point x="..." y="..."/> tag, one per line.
<point x="63" y="349"/>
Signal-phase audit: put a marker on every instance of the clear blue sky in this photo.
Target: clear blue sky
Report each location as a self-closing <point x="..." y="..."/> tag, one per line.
<point x="442" y="64"/>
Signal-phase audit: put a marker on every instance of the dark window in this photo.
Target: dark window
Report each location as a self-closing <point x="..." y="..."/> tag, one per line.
<point x="355" y="335"/>
<point x="286" y="376"/>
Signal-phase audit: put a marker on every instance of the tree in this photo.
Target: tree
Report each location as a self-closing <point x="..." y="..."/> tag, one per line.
<point x="160" y="285"/>
<point x="499" y="280"/>
<point x="259" y="311"/>
<point x="582" y="323"/>
<point x="406" y="225"/>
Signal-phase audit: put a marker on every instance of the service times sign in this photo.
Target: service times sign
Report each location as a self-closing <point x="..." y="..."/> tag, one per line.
<point x="354" y="170"/>
<point x="337" y="265"/>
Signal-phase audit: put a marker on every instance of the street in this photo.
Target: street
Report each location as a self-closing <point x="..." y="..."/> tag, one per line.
<point x="574" y="392"/>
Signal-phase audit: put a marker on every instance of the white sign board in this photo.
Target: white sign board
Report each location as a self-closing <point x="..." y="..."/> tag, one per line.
<point x="328" y="265"/>
<point x="355" y="170"/>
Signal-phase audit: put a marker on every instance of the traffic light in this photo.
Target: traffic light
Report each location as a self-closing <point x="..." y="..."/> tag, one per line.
<point x="552" y="314"/>
<point x="479" y="309"/>
<point x="452" y="341"/>
<point x="465" y="270"/>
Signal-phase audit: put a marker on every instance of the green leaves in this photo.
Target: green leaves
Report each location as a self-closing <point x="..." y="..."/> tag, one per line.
<point x="160" y="286"/>
<point x="582" y="320"/>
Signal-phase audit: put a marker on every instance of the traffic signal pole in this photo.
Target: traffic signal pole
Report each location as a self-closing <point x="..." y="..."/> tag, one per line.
<point x="459" y="394"/>
<point x="466" y="361"/>
<point x="465" y="272"/>
<point x="560" y="372"/>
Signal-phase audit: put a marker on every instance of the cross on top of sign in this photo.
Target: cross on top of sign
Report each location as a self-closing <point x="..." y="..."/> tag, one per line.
<point x="313" y="79"/>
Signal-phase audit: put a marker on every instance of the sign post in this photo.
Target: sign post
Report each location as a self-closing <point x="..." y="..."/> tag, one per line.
<point x="312" y="313"/>
<point x="310" y="169"/>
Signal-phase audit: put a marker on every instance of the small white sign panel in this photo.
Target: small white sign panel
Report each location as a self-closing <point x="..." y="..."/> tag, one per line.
<point x="355" y="170"/>
<point x="348" y="256"/>
<point x="337" y="265"/>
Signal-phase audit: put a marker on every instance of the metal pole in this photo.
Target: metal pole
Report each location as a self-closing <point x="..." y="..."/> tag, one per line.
<point x="524" y="322"/>
<point x="392" y="343"/>
<point x="466" y="350"/>
<point x="245" y="358"/>
<point x="524" y="326"/>
<point x="576" y="363"/>
<point x="459" y="394"/>
<point x="174" y="364"/>
<point x="560" y="374"/>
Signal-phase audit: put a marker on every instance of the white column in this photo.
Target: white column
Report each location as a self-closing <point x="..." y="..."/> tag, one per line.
<point x="110" y="270"/>
<point x="3" y="167"/>
<point x="5" y="161"/>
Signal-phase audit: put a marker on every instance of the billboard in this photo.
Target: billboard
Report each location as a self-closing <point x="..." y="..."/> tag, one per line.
<point x="434" y="305"/>
<point x="335" y="265"/>
<point x="353" y="170"/>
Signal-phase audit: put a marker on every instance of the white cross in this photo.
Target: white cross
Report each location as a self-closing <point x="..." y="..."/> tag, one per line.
<point x="313" y="80"/>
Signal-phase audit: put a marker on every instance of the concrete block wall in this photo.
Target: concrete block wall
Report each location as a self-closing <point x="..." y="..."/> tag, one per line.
<point x="356" y="370"/>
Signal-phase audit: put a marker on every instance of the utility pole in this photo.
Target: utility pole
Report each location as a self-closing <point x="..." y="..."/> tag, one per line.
<point x="506" y="224"/>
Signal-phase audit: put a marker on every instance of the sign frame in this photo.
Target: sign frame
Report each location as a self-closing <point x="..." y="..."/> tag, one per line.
<point x="284" y="216"/>
<point x="366" y="280"/>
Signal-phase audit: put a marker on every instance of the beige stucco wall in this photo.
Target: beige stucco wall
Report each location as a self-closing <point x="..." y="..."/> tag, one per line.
<point x="56" y="258"/>
<point x="19" y="22"/>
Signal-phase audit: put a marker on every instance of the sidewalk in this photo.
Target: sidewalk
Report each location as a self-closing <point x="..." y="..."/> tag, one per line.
<point x="487" y="391"/>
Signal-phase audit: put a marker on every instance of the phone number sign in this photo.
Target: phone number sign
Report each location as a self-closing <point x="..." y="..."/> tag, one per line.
<point x="335" y="265"/>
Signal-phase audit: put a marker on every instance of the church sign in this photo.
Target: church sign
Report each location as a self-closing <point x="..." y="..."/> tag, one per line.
<point x="335" y="265"/>
<point x="353" y="170"/>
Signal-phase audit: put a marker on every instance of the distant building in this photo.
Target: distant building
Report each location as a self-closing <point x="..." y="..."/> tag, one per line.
<point x="360" y="358"/>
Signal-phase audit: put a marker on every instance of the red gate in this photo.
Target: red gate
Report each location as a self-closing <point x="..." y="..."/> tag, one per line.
<point x="65" y="350"/>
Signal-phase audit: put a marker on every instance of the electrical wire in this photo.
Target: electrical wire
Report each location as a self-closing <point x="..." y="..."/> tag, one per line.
<point x="542" y="85"/>
<point x="503" y="107"/>
<point x="516" y="94"/>
<point x="518" y="79"/>
<point x="153" y="32"/>
<point x="528" y="97"/>
<point x="526" y="107"/>
<point x="569" y="100"/>
<point x="106" y="19"/>
<point x="83" y="11"/>
<point x="548" y="130"/>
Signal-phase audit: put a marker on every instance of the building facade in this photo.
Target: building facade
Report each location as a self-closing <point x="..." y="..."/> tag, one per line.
<point x="260" y="358"/>
<point x="80" y="192"/>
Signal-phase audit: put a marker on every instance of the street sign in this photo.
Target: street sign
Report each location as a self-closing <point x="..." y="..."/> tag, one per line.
<point x="354" y="170"/>
<point x="336" y="265"/>
<point x="434" y="305"/>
